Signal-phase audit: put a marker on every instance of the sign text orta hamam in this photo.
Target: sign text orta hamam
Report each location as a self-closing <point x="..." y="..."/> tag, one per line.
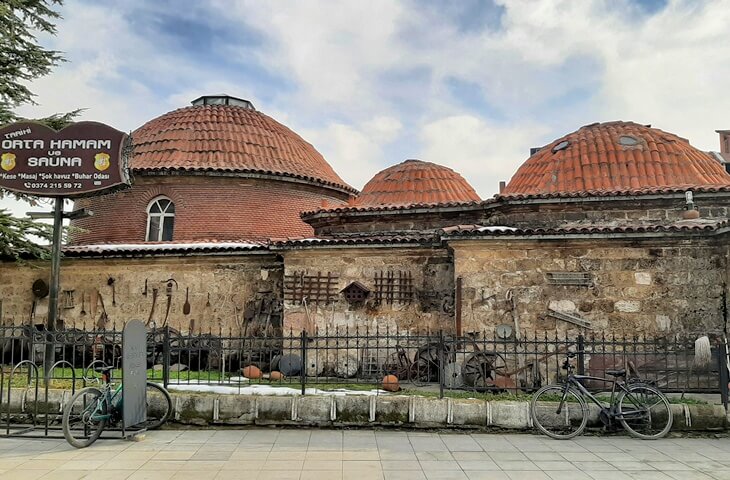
<point x="82" y="158"/>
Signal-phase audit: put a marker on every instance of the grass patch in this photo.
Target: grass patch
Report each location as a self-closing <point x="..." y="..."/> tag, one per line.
<point x="62" y="379"/>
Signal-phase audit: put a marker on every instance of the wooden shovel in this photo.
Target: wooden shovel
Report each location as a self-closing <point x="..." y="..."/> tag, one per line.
<point x="186" y="305"/>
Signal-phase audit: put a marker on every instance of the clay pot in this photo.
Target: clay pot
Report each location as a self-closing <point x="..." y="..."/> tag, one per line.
<point x="252" y="371"/>
<point x="390" y="383"/>
<point x="276" y="376"/>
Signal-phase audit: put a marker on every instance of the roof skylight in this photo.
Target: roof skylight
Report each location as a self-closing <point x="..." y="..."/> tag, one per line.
<point x="561" y="146"/>
<point x="628" y="141"/>
<point x="223" y="100"/>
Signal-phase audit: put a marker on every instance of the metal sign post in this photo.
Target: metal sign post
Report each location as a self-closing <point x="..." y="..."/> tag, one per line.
<point x="49" y="359"/>
<point x="134" y="373"/>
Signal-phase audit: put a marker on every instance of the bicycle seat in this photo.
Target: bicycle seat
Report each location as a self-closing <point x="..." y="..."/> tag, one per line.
<point x="104" y="370"/>
<point x="617" y="373"/>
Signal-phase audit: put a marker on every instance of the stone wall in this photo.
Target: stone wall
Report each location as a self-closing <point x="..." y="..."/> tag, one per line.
<point x="230" y="281"/>
<point x="431" y="275"/>
<point x="665" y="285"/>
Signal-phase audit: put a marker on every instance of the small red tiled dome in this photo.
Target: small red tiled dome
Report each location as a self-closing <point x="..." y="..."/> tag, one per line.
<point x="226" y="134"/>
<point x="616" y="156"/>
<point x="416" y="182"/>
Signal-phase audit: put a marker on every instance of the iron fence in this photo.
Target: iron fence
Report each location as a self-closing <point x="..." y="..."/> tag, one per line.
<point x="360" y="358"/>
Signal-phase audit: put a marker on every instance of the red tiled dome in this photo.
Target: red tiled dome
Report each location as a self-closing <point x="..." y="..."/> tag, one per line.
<point x="616" y="156"/>
<point x="416" y="182"/>
<point x="229" y="138"/>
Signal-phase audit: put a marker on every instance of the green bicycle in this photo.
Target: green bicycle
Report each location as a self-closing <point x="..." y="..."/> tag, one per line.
<point x="93" y="409"/>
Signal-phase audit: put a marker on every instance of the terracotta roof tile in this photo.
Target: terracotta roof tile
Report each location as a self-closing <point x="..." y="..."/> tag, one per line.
<point x="228" y="138"/>
<point x="685" y="226"/>
<point x="594" y="160"/>
<point x="416" y="182"/>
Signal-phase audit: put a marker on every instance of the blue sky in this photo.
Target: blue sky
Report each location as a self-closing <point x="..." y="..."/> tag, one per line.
<point x="471" y="84"/>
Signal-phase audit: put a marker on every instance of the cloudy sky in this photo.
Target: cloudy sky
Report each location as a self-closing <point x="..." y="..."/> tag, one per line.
<point x="469" y="84"/>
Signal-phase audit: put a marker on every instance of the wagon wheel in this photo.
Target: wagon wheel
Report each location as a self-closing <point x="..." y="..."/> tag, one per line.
<point x="480" y="370"/>
<point x="421" y="372"/>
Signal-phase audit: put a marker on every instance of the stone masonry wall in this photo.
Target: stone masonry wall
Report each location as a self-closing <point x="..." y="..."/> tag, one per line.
<point x="635" y="288"/>
<point x="230" y="281"/>
<point x="431" y="273"/>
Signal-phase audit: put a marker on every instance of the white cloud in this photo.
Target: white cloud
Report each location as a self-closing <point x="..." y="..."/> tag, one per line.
<point x="368" y="83"/>
<point x="355" y="151"/>
<point x="483" y="153"/>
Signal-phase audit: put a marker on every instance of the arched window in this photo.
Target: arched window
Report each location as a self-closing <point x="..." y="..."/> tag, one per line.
<point x="160" y="220"/>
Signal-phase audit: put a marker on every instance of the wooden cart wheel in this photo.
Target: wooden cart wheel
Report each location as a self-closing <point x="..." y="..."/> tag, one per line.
<point x="421" y="372"/>
<point x="480" y="370"/>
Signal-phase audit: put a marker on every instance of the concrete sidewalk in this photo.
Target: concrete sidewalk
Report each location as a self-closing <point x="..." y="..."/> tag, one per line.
<point x="276" y="454"/>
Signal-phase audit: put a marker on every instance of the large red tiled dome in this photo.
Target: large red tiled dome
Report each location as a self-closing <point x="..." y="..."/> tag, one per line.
<point x="231" y="174"/>
<point x="416" y="182"/>
<point x="616" y="156"/>
<point x="231" y="137"/>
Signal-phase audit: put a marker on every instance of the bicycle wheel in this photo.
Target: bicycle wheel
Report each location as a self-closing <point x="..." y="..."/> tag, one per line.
<point x="159" y="406"/>
<point x="84" y="417"/>
<point x="644" y="412"/>
<point x="555" y="421"/>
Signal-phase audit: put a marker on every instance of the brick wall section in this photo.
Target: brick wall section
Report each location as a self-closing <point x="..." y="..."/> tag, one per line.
<point x="638" y="288"/>
<point x="628" y="212"/>
<point x="206" y="208"/>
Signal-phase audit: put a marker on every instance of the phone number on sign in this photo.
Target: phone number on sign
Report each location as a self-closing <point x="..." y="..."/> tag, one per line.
<point x="52" y="185"/>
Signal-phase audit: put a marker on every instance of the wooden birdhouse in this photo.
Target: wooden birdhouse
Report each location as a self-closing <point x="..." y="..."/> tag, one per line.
<point x="355" y="293"/>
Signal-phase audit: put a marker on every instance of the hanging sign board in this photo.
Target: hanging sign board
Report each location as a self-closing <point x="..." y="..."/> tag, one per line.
<point x="83" y="158"/>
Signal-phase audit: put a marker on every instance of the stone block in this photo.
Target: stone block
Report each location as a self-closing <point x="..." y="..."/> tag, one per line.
<point x="237" y="409"/>
<point x="468" y="412"/>
<point x="193" y="409"/>
<point x="628" y="306"/>
<point x="513" y="415"/>
<point x="274" y="410"/>
<point x="642" y="278"/>
<point x="314" y="410"/>
<point x="392" y="410"/>
<point x="566" y="306"/>
<point x="353" y="409"/>
<point x="430" y="411"/>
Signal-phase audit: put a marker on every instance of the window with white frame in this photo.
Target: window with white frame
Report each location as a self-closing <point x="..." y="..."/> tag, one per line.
<point x="160" y="220"/>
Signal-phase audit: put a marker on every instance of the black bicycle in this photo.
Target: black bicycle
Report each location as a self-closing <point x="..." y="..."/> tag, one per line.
<point x="560" y="411"/>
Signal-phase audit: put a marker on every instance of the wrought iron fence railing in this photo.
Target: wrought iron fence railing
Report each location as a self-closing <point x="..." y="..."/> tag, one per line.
<point x="358" y="358"/>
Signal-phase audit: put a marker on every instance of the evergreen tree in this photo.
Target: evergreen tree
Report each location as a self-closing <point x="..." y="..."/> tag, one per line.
<point x="23" y="59"/>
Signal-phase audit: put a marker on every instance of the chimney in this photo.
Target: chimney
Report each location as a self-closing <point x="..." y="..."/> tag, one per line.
<point x="724" y="141"/>
<point x="502" y="184"/>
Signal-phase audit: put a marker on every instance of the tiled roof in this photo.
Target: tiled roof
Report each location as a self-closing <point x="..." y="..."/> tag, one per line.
<point x="357" y="240"/>
<point x="228" y="138"/>
<point x="133" y="249"/>
<point x="385" y="208"/>
<point x="615" y="156"/>
<point x="618" y="193"/>
<point x="415" y="182"/>
<point x="684" y="226"/>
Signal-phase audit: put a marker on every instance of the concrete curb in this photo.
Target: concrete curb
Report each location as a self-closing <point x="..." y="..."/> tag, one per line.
<point x="361" y="410"/>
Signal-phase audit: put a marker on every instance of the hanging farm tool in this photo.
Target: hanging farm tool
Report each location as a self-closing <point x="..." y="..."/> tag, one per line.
<point x="186" y="305"/>
<point x="154" y="303"/>
<point x="168" y="291"/>
<point x="111" y="282"/>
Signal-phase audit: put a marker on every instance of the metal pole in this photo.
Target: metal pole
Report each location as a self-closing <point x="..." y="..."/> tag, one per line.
<point x="54" y="284"/>
<point x="581" y="355"/>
